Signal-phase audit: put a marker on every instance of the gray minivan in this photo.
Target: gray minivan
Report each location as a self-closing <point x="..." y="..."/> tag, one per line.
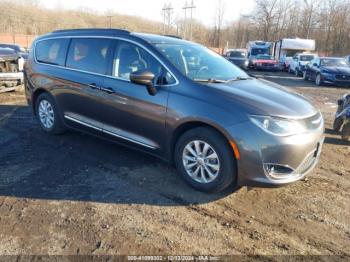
<point x="176" y="100"/>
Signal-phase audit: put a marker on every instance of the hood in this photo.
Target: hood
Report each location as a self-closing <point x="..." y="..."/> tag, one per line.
<point x="7" y="54"/>
<point x="258" y="98"/>
<point x="337" y="70"/>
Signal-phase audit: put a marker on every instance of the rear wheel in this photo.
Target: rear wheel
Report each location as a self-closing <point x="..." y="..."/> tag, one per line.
<point x="205" y="160"/>
<point x="48" y="116"/>
<point x="345" y="133"/>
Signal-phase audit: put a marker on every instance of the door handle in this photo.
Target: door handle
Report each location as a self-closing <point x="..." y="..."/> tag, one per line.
<point x="108" y="90"/>
<point x="94" y="86"/>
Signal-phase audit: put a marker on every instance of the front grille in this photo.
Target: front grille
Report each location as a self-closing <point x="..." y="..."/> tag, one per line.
<point x="267" y="64"/>
<point x="308" y="162"/>
<point x="343" y="77"/>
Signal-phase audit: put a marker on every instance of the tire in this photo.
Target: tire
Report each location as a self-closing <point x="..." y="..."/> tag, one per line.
<point x="296" y="72"/>
<point x="46" y="108"/>
<point x="345" y="133"/>
<point x="338" y="122"/>
<point x="225" y="172"/>
<point x="318" y="80"/>
<point x="305" y="76"/>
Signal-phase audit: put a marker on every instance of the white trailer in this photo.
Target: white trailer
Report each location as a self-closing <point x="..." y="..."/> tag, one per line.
<point x="285" y="49"/>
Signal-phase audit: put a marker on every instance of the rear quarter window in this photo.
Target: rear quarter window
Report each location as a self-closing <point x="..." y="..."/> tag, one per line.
<point x="52" y="51"/>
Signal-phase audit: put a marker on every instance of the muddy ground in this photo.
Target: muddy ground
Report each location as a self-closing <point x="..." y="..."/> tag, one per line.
<point x="76" y="194"/>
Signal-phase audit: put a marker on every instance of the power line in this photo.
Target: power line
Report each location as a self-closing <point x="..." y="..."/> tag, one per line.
<point x="185" y="8"/>
<point x="110" y="20"/>
<point x="167" y="10"/>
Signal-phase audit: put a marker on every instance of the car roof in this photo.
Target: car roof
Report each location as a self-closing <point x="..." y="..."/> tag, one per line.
<point x="150" y="38"/>
<point x="160" y="39"/>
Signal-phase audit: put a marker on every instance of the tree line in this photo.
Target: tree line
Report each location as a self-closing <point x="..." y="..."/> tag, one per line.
<point x="326" y="21"/>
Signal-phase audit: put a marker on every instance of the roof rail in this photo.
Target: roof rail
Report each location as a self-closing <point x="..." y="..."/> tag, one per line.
<point x="112" y="30"/>
<point x="174" y="36"/>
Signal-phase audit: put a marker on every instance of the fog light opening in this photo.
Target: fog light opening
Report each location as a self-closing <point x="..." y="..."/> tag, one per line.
<point x="278" y="171"/>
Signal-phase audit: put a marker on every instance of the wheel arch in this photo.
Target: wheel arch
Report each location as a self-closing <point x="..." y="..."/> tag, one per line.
<point x="189" y="125"/>
<point x="35" y="96"/>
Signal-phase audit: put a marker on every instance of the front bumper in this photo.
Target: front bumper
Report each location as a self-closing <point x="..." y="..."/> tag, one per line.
<point x="6" y="77"/>
<point x="267" y="67"/>
<point x="331" y="79"/>
<point x="258" y="150"/>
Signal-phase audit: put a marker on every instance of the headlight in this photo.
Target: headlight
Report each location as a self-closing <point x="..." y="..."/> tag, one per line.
<point x="278" y="126"/>
<point x="246" y="62"/>
<point x="327" y="74"/>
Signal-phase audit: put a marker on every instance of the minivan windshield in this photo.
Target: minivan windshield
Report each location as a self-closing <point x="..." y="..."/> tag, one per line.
<point x="200" y="64"/>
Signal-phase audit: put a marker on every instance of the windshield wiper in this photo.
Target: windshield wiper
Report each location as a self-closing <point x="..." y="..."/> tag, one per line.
<point x="211" y="81"/>
<point x="238" y="79"/>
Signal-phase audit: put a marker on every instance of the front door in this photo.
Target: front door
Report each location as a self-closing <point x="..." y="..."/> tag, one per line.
<point x="133" y="114"/>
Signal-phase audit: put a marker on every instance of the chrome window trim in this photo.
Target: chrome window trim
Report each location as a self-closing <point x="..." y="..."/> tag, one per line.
<point x="108" y="132"/>
<point x="108" y="76"/>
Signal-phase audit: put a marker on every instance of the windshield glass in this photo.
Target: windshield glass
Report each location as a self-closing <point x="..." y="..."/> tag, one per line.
<point x="334" y="62"/>
<point x="306" y="58"/>
<point x="264" y="57"/>
<point x="237" y="54"/>
<point x="258" y="51"/>
<point x="199" y="63"/>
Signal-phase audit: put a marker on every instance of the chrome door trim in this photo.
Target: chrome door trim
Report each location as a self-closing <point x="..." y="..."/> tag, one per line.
<point x="108" y="132"/>
<point x="92" y="73"/>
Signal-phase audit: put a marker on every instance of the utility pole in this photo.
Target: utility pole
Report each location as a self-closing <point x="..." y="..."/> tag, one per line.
<point x="167" y="9"/>
<point x="191" y="7"/>
<point x="110" y="20"/>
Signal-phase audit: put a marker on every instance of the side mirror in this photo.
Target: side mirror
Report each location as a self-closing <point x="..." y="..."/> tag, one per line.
<point x="144" y="78"/>
<point x="315" y="64"/>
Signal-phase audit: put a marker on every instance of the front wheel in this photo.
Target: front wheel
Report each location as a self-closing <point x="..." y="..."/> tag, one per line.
<point x="305" y="77"/>
<point x="318" y="80"/>
<point x="337" y="124"/>
<point x="345" y="133"/>
<point x="205" y="160"/>
<point x="296" y="72"/>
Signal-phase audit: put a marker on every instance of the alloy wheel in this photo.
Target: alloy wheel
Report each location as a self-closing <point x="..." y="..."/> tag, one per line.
<point x="201" y="162"/>
<point x="46" y="114"/>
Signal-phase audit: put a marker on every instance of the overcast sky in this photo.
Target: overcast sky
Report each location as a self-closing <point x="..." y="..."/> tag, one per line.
<point x="151" y="9"/>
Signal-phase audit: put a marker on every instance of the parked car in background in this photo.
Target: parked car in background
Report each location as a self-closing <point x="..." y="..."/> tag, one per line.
<point x="299" y="62"/>
<point x="255" y="48"/>
<point x="11" y="67"/>
<point x="285" y="49"/>
<point x="342" y="117"/>
<point x="328" y="70"/>
<point x="348" y="58"/>
<point x="20" y="51"/>
<point x="265" y="62"/>
<point x="237" y="57"/>
<point x="218" y="125"/>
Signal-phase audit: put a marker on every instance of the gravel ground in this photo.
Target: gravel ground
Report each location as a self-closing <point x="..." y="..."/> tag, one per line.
<point x="76" y="194"/>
